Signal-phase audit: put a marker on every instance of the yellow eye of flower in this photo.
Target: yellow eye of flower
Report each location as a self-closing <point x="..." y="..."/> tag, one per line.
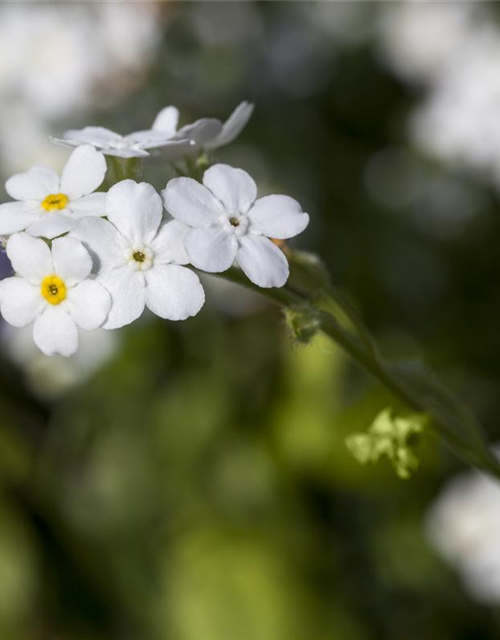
<point x="55" y="201"/>
<point x="53" y="289"/>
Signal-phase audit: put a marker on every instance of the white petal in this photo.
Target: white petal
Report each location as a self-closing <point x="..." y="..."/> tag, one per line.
<point x="173" y="150"/>
<point x="52" y="224"/>
<point x="96" y="136"/>
<point x="202" y="131"/>
<point x="191" y="202"/>
<point x="167" y="120"/>
<point x="72" y="262"/>
<point x="30" y="257"/>
<point x="89" y="304"/>
<point x="63" y="142"/>
<point x="83" y="173"/>
<point x="168" y="245"/>
<point x="135" y="210"/>
<point x="35" y="184"/>
<point x="102" y="241"/>
<point x="173" y="292"/>
<point x="234" y="187"/>
<point x="211" y="248"/>
<point x="278" y="217"/>
<point x="128" y="295"/>
<point x="20" y="301"/>
<point x="55" y="332"/>
<point x="147" y="137"/>
<point x="92" y="205"/>
<point x="262" y="261"/>
<point x="233" y="126"/>
<point x="16" y="216"/>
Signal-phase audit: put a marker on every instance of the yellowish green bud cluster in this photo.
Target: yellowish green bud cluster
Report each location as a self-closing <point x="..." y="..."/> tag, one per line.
<point x="395" y="437"/>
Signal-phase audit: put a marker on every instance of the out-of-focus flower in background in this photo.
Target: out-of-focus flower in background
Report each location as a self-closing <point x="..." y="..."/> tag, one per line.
<point x="56" y="60"/>
<point x="464" y="527"/>
<point x="458" y="121"/>
<point x="418" y="40"/>
<point x="451" y="51"/>
<point x="51" y="376"/>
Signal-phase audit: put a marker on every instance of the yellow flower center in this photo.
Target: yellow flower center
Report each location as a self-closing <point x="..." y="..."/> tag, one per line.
<point x="53" y="289"/>
<point x="55" y="201"/>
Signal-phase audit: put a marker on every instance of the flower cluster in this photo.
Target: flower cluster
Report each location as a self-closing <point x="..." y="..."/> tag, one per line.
<point x="85" y="259"/>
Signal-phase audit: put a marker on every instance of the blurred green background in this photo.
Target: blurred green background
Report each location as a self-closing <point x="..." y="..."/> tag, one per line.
<point x="195" y="485"/>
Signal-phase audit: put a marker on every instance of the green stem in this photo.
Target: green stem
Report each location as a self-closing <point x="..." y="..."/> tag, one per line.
<point x="119" y="169"/>
<point x="476" y="453"/>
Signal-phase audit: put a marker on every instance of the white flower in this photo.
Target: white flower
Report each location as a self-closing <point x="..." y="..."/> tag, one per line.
<point x="206" y="133"/>
<point x="464" y="526"/>
<point x="49" y="206"/>
<point x="50" y="377"/>
<point x="133" y="145"/>
<point x="228" y="222"/>
<point x="52" y="290"/>
<point x="139" y="260"/>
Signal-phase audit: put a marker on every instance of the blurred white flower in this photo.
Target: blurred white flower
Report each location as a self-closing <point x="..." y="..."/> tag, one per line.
<point x="49" y="376"/>
<point x="419" y="40"/>
<point x="65" y="58"/>
<point x="46" y="60"/>
<point x="452" y="49"/>
<point x="49" y="206"/>
<point x="464" y="527"/>
<point x="139" y="24"/>
<point x="459" y="120"/>
<point x="227" y="223"/>
<point x="25" y="141"/>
